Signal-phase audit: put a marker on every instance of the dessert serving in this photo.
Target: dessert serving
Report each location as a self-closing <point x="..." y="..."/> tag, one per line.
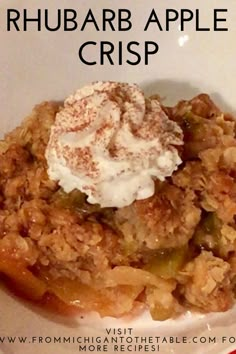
<point x="115" y="203"/>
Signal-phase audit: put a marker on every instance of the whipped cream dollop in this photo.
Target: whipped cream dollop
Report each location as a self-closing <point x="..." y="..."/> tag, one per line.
<point x="111" y="143"/>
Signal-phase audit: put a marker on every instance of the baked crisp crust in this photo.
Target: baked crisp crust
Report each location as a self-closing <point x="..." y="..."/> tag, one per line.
<point x="173" y="251"/>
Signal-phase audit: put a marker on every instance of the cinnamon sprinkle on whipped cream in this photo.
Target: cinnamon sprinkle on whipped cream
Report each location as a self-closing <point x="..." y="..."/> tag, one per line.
<point x="111" y="143"/>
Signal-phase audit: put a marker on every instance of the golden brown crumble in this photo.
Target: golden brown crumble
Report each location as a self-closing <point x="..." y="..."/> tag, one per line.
<point x="173" y="251"/>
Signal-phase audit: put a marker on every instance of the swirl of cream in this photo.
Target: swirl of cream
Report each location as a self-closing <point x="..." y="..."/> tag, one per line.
<point x="111" y="143"/>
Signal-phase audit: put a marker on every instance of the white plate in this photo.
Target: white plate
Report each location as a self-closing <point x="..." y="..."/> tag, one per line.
<point x="38" y="66"/>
